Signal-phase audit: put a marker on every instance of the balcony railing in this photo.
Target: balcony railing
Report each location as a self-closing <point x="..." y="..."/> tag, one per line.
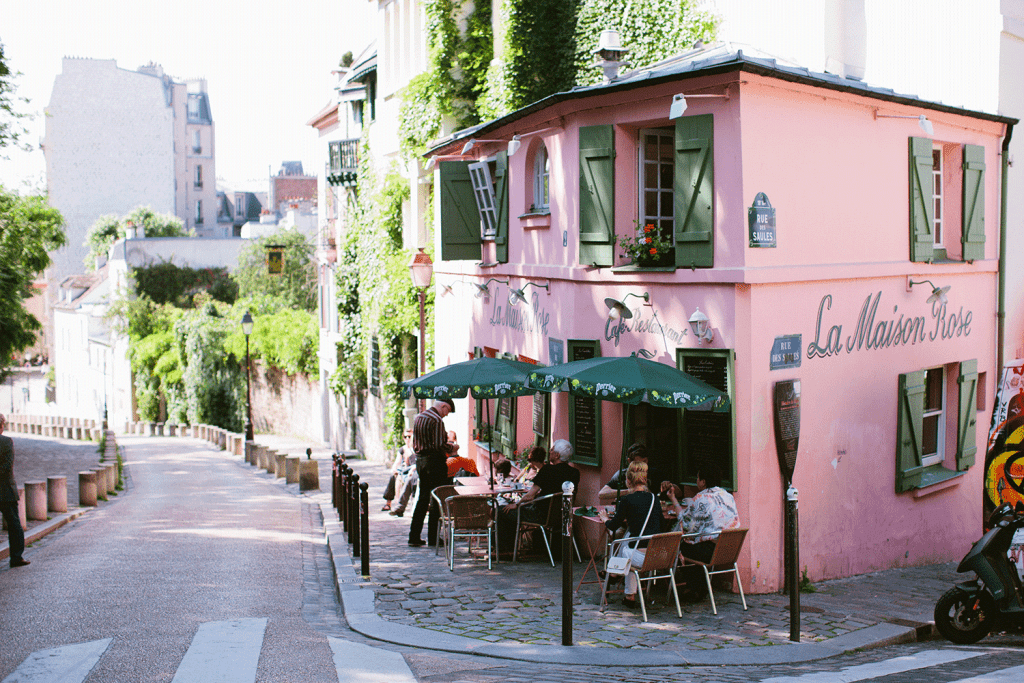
<point x="343" y="165"/>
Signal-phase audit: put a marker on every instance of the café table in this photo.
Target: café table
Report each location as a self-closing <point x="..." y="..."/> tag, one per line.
<point x="586" y="524"/>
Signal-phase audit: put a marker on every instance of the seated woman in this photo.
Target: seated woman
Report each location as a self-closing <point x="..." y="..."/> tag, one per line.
<point x="640" y="510"/>
<point x="405" y="463"/>
<point x="710" y="511"/>
<point x="534" y="461"/>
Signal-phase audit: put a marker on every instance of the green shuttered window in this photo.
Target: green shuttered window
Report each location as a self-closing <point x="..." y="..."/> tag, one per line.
<point x="694" y="192"/>
<point x="923" y="248"/>
<point x="597" y="195"/>
<point x="474" y="207"/>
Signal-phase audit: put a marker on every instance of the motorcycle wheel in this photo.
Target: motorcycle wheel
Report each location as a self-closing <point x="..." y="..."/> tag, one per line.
<point x="964" y="618"/>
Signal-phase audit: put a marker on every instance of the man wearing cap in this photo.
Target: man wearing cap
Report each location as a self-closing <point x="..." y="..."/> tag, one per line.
<point x="430" y="442"/>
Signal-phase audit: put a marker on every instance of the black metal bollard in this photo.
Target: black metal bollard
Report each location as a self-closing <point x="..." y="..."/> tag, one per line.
<point x="343" y="498"/>
<point x="353" y="537"/>
<point x="335" y="473"/>
<point x="793" y="570"/>
<point x="364" y="536"/>
<point x="567" y="490"/>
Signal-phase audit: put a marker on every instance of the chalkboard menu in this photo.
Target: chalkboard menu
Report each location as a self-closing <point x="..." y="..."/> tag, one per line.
<point x="584" y="413"/>
<point x="541" y="401"/>
<point x="505" y="408"/>
<point x="707" y="436"/>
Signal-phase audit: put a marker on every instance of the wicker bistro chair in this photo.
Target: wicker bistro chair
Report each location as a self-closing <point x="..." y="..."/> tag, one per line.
<point x="723" y="561"/>
<point x="547" y="522"/>
<point x="469" y="517"/>
<point x="438" y="496"/>
<point x="660" y="559"/>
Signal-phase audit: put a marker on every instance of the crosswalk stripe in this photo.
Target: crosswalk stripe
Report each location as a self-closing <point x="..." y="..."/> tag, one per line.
<point x="65" y="664"/>
<point x="1002" y="676"/>
<point x="358" y="663"/>
<point x="223" y="652"/>
<point x="896" y="665"/>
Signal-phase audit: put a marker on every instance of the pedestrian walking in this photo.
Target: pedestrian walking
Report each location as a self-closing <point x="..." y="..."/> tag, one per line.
<point x="9" y="498"/>
<point x="430" y="441"/>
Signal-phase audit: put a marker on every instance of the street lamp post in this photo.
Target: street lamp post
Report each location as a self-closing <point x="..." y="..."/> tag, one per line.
<point x="247" y="323"/>
<point x="422" y="269"/>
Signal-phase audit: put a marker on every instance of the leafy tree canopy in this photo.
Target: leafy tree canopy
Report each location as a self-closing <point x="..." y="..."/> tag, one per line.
<point x="109" y="228"/>
<point x="296" y="285"/>
<point x="11" y="128"/>
<point x="29" y="229"/>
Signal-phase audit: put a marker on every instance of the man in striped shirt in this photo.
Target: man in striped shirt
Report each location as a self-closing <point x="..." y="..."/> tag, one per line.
<point x="430" y="441"/>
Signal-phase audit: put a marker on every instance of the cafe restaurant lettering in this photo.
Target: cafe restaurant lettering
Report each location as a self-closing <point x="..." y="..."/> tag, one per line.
<point x="898" y="330"/>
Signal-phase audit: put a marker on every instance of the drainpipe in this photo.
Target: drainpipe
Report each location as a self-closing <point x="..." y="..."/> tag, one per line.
<point x="1001" y="312"/>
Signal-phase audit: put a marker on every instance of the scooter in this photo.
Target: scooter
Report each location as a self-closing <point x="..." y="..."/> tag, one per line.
<point x="991" y="602"/>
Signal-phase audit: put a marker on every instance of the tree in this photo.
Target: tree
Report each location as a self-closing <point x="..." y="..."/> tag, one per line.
<point x="29" y="229"/>
<point x="11" y="128"/>
<point x="296" y="285"/>
<point x="109" y="228"/>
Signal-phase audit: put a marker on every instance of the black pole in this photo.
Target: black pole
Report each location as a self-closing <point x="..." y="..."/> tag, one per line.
<point x="343" y="498"/>
<point x="365" y="535"/>
<point x="353" y="536"/>
<point x="567" y="491"/>
<point x="620" y="479"/>
<point x="248" y="399"/>
<point x="792" y="536"/>
<point x="334" y="481"/>
<point x="490" y="442"/>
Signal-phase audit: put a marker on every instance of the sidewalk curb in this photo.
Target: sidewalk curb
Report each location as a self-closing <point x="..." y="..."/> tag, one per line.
<point x="357" y="602"/>
<point x="47" y="527"/>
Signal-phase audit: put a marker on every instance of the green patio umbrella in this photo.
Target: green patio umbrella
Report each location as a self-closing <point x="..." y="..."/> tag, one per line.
<point x="484" y="378"/>
<point x="630" y="380"/>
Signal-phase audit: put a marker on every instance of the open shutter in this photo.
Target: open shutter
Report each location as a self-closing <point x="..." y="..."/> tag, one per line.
<point x="922" y="212"/>
<point x="460" y="221"/>
<point x="908" y="430"/>
<point x="597" y="195"/>
<point x="693" y="191"/>
<point x="483" y="191"/>
<point x="973" y="233"/>
<point x="966" y="423"/>
<point x="501" y="207"/>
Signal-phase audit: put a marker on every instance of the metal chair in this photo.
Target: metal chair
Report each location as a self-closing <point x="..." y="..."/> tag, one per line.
<point x="660" y="559"/>
<point x="546" y="520"/>
<point x="438" y="496"/>
<point x="469" y="517"/>
<point x="723" y="561"/>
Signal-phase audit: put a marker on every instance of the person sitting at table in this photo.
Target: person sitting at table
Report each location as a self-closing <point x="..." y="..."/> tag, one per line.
<point x="635" y="453"/>
<point x="403" y="465"/>
<point x="640" y="511"/>
<point x="711" y="510"/>
<point x="460" y="466"/>
<point x="503" y="468"/>
<point x="534" y="461"/>
<point x="548" y="480"/>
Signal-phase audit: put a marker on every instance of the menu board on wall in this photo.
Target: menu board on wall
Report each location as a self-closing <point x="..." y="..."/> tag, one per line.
<point x="584" y="413"/>
<point x="540" y="413"/>
<point x="707" y="435"/>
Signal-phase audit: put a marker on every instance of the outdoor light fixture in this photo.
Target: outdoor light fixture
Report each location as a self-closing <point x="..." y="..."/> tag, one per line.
<point x="473" y="142"/>
<point x="247" y="325"/>
<point x="482" y="292"/>
<point x="922" y="121"/>
<point x="701" y="327"/>
<point x="517" y="295"/>
<point x="517" y="140"/>
<point x="938" y="293"/>
<point x="679" y="103"/>
<point x="421" y="268"/>
<point x="617" y="309"/>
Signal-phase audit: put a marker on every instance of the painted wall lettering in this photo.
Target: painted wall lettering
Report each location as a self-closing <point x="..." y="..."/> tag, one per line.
<point x="613" y="329"/>
<point x="521" y="318"/>
<point x="873" y="331"/>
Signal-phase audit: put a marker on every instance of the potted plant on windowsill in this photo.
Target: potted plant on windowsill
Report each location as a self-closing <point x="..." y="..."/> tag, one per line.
<point x="646" y="247"/>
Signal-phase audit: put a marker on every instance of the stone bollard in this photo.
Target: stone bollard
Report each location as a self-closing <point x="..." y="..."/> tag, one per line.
<point x="291" y="469"/>
<point x="152" y="428"/>
<point x="101" y="481"/>
<point x="35" y="500"/>
<point x="87" y="489"/>
<point x="279" y="465"/>
<point x="110" y="471"/>
<point x="172" y="429"/>
<point x="57" y="494"/>
<point x="269" y="459"/>
<point x="309" y="475"/>
<point x="159" y="428"/>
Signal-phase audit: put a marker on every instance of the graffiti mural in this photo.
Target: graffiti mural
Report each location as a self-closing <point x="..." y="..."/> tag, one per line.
<point x="1004" y="461"/>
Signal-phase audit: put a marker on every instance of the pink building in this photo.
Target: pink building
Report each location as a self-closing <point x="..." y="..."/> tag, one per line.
<point x="798" y="208"/>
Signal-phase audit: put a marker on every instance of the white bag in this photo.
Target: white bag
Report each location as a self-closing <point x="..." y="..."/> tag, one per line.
<point x="618" y="565"/>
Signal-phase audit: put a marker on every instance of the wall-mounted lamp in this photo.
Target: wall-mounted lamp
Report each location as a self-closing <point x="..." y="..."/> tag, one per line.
<point x="473" y="142"/>
<point x="922" y="121"/>
<point x="678" y="106"/>
<point x="617" y="309"/>
<point x="701" y="327"/>
<point x="516" y="142"/>
<point x="938" y="293"/>
<point x="517" y="295"/>
<point x="482" y="292"/>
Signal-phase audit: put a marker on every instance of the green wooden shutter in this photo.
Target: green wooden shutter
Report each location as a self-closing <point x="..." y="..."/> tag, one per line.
<point x="460" y="220"/>
<point x="501" y="207"/>
<point x="597" y="195"/>
<point x="922" y="211"/>
<point x="584" y="413"/>
<point x="972" y="235"/>
<point x="694" y="191"/>
<point x="966" y="424"/>
<point x="909" y="428"/>
<point x="505" y="421"/>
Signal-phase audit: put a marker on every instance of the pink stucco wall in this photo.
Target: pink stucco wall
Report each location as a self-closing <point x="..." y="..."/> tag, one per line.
<point x="837" y="176"/>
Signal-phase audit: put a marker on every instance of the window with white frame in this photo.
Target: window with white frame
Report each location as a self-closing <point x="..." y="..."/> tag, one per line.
<point x="933" y="424"/>
<point x="657" y="177"/>
<point x="199" y="175"/>
<point x="482" y="176"/>
<point x="541" y="179"/>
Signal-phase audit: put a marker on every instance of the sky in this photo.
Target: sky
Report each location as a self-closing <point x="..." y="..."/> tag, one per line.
<point x="267" y="66"/>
